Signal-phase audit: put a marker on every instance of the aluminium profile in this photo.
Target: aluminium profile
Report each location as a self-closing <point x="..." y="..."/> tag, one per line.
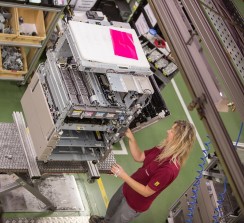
<point x="171" y="23"/>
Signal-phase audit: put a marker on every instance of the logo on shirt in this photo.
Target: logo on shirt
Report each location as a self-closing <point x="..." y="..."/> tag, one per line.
<point x="156" y="183"/>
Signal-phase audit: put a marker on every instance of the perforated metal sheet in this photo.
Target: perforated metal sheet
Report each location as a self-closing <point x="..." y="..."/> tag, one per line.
<point x="105" y="166"/>
<point x="226" y="37"/>
<point x="80" y="219"/>
<point x="12" y="157"/>
<point x="75" y="166"/>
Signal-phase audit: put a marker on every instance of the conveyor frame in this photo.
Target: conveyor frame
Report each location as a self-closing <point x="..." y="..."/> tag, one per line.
<point x="171" y="17"/>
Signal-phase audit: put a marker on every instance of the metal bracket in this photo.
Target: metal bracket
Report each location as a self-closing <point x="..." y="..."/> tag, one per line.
<point x="198" y="103"/>
<point x="192" y="33"/>
<point x="213" y="175"/>
<point x="27" y="145"/>
<point x="20" y="182"/>
<point x="93" y="172"/>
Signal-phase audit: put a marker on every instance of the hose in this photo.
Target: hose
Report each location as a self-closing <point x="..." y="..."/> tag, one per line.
<point x="196" y="184"/>
<point x="218" y="213"/>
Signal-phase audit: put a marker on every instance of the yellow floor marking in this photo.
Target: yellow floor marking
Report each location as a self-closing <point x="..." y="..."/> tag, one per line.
<point x="103" y="192"/>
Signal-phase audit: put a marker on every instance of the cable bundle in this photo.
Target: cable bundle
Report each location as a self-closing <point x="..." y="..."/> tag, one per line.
<point x="195" y="188"/>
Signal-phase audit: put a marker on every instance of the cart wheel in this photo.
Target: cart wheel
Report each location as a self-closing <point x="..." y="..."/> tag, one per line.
<point x="90" y="181"/>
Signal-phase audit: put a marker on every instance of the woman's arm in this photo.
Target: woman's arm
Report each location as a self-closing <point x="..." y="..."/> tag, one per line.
<point x="145" y="191"/>
<point x="136" y="153"/>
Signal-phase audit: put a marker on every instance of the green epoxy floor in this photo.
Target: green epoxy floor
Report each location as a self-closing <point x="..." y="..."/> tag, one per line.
<point x="10" y="96"/>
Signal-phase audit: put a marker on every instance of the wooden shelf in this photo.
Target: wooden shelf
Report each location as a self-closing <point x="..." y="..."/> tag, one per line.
<point x="15" y="73"/>
<point x="39" y="28"/>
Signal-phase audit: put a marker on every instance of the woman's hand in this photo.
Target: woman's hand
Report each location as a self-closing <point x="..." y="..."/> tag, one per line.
<point x="136" y="153"/>
<point x="118" y="171"/>
<point x="129" y="134"/>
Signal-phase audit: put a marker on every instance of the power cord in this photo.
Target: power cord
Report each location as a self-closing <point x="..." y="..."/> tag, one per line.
<point x="239" y="135"/>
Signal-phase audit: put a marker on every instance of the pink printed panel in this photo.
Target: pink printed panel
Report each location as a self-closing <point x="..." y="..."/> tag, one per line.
<point x="123" y="44"/>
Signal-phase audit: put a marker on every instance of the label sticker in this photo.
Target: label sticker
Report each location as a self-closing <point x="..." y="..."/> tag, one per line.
<point x="88" y="113"/>
<point x="100" y="114"/>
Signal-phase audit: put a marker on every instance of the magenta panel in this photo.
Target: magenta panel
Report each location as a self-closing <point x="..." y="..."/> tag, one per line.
<point x="123" y="44"/>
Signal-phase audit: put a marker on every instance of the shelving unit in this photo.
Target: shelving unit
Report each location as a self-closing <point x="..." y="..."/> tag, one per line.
<point x="45" y="19"/>
<point x="160" y="60"/>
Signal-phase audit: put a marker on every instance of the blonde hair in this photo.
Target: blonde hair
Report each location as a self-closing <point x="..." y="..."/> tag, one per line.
<point x="180" y="146"/>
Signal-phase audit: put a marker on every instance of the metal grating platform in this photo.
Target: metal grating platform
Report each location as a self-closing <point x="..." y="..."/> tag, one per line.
<point x="12" y="157"/>
<point x="13" y="160"/>
<point x="80" y="219"/>
<point x="75" y="166"/>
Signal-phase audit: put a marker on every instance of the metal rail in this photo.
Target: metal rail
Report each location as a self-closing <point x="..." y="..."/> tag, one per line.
<point x="21" y="5"/>
<point x="25" y="140"/>
<point x="221" y="60"/>
<point x="172" y="21"/>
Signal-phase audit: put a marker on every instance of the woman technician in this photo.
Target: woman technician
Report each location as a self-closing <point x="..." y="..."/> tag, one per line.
<point x="161" y="166"/>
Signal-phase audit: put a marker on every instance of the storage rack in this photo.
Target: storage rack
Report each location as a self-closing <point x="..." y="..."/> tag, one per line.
<point x="36" y="49"/>
<point x="160" y="73"/>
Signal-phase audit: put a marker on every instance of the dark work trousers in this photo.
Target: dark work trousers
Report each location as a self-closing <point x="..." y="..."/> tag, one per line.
<point x="118" y="210"/>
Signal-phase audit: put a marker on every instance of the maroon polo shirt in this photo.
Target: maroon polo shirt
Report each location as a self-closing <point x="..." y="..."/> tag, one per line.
<point x="156" y="176"/>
